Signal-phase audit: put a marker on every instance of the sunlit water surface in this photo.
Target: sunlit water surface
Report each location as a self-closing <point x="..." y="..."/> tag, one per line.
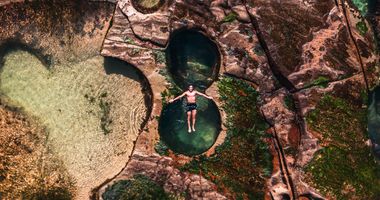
<point x="68" y="100"/>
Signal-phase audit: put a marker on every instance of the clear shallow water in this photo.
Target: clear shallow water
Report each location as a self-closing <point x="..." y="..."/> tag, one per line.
<point x="173" y="127"/>
<point x="66" y="101"/>
<point x="374" y="120"/>
<point x="192" y="59"/>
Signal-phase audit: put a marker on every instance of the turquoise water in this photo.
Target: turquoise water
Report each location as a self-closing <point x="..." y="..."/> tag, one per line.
<point x="173" y="127"/>
<point x="192" y="58"/>
<point x="374" y="120"/>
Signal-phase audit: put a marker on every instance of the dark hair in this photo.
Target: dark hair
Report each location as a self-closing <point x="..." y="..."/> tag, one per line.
<point x="190" y="85"/>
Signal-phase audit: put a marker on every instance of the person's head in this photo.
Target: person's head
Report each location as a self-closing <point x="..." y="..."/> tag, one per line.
<point x="191" y="87"/>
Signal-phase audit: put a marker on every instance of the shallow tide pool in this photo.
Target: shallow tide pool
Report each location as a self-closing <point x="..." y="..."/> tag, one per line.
<point x="92" y="110"/>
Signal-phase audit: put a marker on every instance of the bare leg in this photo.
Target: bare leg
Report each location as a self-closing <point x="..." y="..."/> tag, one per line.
<point x="188" y="121"/>
<point x="194" y="114"/>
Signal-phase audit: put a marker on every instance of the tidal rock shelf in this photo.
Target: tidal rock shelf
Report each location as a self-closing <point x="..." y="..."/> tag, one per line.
<point x="173" y="127"/>
<point x="319" y="48"/>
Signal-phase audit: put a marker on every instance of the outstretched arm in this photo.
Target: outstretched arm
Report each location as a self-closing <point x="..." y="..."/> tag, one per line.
<point x="200" y="93"/>
<point x="178" y="97"/>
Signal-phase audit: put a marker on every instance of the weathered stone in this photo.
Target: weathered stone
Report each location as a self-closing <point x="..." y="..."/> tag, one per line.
<point x="242" y="13"/>
<point x="148" y="27"/>
<point x="243" y="56"/>
<point x="173" y="181"/>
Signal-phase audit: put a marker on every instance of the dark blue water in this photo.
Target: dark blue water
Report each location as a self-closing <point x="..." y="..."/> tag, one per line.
<point x="192" y="58"/>
<point x="373" y="6"/>
<point x="374" y="120"/>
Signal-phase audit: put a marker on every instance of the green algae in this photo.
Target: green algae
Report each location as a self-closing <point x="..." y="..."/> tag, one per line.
<point x="140" y="187"/>
<point x="243" y="162"/>
<point x="229" y="18"/>
<point x="362" y="27"/>
<point x="345" y="167"/>
<point x="321" y="81"/>
<point x="105" y="120"/>
<point x="159" y="56"/>
<point x="161" y="148"/>
<point x="362" y="6"/>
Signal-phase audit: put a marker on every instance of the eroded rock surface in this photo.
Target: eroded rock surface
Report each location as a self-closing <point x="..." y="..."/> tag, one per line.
<point x="294" y="52"/>
<point x="162" y="170"/>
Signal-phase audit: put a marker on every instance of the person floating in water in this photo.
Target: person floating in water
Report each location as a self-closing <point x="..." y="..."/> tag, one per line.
<point x="191" y="107"/>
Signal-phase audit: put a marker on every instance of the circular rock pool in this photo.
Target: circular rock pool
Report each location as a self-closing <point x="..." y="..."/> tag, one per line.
<point x="173" y="127"/>
<point x="192" y="58"/>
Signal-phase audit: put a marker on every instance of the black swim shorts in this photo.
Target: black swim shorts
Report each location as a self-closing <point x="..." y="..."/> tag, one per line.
<point x="191" y="106"/>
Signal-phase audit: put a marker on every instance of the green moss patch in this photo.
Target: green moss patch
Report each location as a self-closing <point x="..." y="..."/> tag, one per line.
<point x="229" y="18"/>
<point x="362" y="5"/>
<point x="320" y="81"/>
<point x="161" y="148"/>
<point x="362" y="27"/>
<point x="243" y="162"/>
<point x="140" y="187"/>
<point x="345" y="167"/>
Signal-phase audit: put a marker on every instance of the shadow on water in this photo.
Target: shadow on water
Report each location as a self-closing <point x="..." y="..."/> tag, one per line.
<point x="192" y="58"/>
<point x="173" y="127"/>
<point x="10" y="46"/>
<point x="116" y="66"/>
<point x="374" y="120"/>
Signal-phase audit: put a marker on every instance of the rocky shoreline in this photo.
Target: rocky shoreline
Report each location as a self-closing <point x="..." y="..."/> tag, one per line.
<point x="298" y="55"/>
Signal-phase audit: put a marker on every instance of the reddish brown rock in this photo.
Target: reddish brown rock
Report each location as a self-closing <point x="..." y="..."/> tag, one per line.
<point x="159" y="169"/>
